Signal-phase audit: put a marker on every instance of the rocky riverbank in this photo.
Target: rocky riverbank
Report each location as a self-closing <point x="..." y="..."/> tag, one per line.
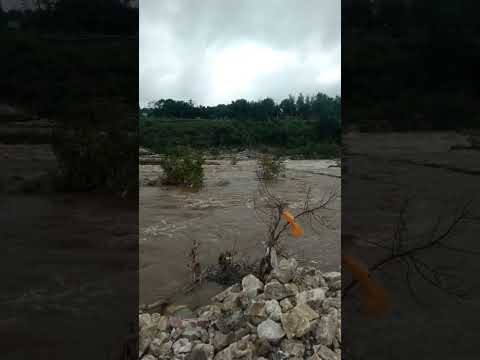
<point x="295" y="314"/>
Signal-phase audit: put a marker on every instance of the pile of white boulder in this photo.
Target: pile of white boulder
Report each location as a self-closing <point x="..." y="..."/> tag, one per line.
<point x="294" y="315"/>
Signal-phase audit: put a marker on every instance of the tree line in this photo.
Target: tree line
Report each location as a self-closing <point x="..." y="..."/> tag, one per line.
<point x="318" y="107"/>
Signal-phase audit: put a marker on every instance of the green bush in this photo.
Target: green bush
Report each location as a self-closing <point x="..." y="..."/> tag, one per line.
<point x="183" y="167"/>
<point x="93" y="159"/>
<point x="270" y="167"/>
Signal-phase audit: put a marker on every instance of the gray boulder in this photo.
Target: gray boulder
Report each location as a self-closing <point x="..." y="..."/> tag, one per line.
<point x="221" y="340"/>
<point x="149" y="357"/>
<point x="331" y="277"/>
<point x="298" y="321"/>
<point x="313" y="298"/>
<point x="157" y="347"/>
<point x="293" y="348"/>
<point x="286" y="270"/>
<point x="324" y="353"/>
<point x="182" y="346"/>
<point x="144" y="320"/>
<point x="256" y="312"/>
<point x="273" y="310"/>
<point x="276" y="290"/>
<point x="202" y="352"/>
<point x="326" y="329"/>
<point x="241" y="350"/>
<point x="286" y="305"/>
<point x="251" y="284"/>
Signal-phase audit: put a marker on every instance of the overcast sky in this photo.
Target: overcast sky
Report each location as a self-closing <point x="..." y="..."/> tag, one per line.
<point x="215" y="51"/>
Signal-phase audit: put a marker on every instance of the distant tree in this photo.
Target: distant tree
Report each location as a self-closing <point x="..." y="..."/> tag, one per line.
<point x="240" y="109"/>
<point x="302" y="107"/>
<point x="268" y="109"/>
<point x="287" y="106"/>
<point x="323" y="107"/>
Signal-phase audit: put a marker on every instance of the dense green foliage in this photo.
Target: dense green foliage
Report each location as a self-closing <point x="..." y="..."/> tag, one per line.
<point x="270" y="167"/>
<point x="410" y="64"/>
<point x="305" y="127"/>
<point x="288" y="137"/>
<point x="182" y="166"/>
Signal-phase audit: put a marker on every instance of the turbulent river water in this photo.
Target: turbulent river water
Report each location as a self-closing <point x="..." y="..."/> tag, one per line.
<point x="222" y="215"/>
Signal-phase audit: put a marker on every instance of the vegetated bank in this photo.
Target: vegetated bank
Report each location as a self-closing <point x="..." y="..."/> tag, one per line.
<point x="306" y="127"/>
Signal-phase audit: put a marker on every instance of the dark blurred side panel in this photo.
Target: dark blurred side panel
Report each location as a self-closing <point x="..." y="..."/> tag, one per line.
<point x="68" y="179"/>
<point x="411" y="179"/>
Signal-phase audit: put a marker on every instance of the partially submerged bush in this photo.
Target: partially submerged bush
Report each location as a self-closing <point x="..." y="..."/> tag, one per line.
<point x="183" y="167"/>
<point x="96" y="160"/>
<point x="270" y="167"/>
<point x="98" y="151"/>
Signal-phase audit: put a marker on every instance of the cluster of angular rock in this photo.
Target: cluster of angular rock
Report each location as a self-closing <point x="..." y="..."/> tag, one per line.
<point x="294" y="315"/>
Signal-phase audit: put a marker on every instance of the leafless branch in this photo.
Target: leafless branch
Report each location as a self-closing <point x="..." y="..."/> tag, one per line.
<point x="441" y="277"/>
<point x="270" y="209"/>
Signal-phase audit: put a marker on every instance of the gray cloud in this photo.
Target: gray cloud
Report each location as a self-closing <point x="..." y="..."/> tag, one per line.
<point x="216" y="50"/>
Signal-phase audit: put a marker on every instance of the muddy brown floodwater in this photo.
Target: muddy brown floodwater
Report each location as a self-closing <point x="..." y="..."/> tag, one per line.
<point x="437" y="173"/>
<point x="221" y="215"/>
<point x="68" y="262"/>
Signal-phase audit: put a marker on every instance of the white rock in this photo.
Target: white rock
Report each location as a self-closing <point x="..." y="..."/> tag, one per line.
<point x="156" y="346"/>
<point x="286" y="305"/>
<point x="251" y="286"/>
<point x="313" y="298"/>
<point x="326" y="329"/>
<point x="270" y="330"/>
<point x="330" y="302"/>
<point x="293" y="348"/>
<point x="285" y="271"/>
<point x="182" y="346"/>
<point x="324" y="353"/>
<point x="144" y="320"/>
<point x="146" y="335"/>
<point x="332" y="277"/>
<point x="273" y="309"/>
